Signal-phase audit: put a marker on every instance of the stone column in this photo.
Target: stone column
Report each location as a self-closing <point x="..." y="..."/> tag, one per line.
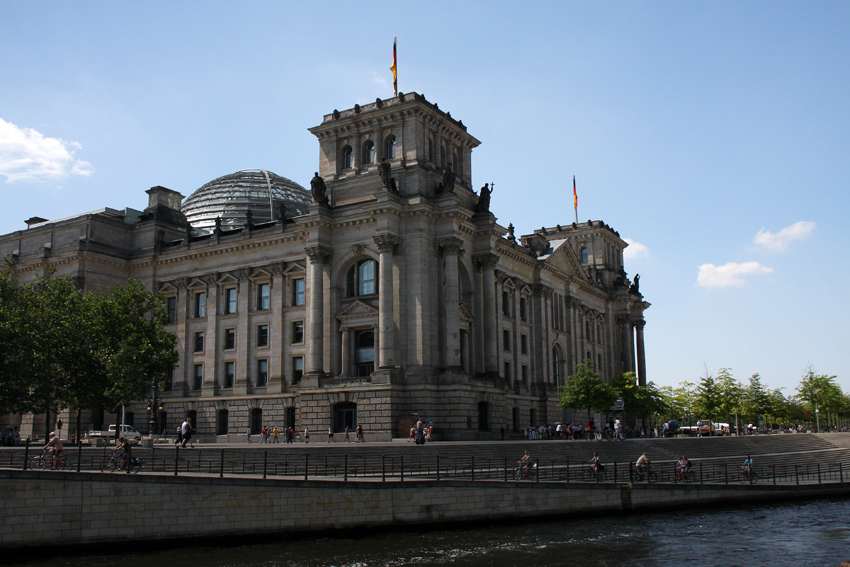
<point x="211" y="385"/>
<point x="278" y="333"/>
<point x="451" y="249"/>
<point x="489" y="309"/>
<point x="346" y="351"/>
<point x="641" y="355"/>
<point x="180" y="384"/>
<point x="387" y="244"/>
<point x="318" y="256"/>
<point x="241" y="382"/>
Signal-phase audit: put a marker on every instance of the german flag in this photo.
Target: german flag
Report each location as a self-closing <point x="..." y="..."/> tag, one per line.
<point x="393" y="69"/>
<point x="575" y="195"/>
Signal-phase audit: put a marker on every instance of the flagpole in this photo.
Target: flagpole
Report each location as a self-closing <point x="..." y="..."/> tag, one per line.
<point x="575" y="198"/>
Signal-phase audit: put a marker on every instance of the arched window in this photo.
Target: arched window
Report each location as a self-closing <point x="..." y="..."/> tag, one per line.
<point x="556" y="368"/>
<point x="389" y="149"/>
<point x="221" y="423"/>
<point x="362" y="278"/>
<point x="584" y="256"/>
<point x="346" y="157"/>
<point x="369" y="152"/>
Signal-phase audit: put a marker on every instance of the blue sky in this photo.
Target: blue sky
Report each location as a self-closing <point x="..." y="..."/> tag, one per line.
<point x="714" y="136"/>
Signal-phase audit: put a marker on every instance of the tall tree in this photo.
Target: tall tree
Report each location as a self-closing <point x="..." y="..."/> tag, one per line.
<point x="708" y="397"/>
<point x="586" y="389"/>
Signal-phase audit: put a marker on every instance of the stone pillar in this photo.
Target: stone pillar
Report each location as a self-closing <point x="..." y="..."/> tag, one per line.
<point x="278" y="333"/>
<point x="387" y="244"/>
<point x="641" y="355"/>
<point x="180" y="384"/>
<point x="318" y="255"/>
<point x="346" y="350"/>
<point x="489" y="309"/>
<point x="241" y="382"/>
<point x="210" y="385"/>
<point x="451" y="249"/>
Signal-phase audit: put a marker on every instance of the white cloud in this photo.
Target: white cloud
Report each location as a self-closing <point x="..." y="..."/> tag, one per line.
<point x="781" y="239"/>
<point x="26" y="155"/>
<point x="635" y="250"/>
<point x="728" y="275"/>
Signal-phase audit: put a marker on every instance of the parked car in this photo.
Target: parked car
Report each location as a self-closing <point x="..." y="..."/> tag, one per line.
<point x="127" y="431"/>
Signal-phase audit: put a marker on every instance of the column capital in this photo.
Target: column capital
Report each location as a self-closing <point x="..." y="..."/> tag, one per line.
<point x="539" y="289"/>
<point x="386" y="242"/>
<point x="485" y="261"/>
<point x="318" y="254"/>
<point x="450" y="246"/>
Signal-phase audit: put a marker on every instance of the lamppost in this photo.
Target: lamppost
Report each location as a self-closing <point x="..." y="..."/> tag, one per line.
<point x="153" y="408"/>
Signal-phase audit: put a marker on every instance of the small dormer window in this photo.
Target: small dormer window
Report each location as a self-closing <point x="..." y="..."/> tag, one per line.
<point x="584" y="256"/>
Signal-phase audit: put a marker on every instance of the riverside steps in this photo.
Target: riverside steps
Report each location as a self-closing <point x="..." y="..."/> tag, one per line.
<point x="234" y="491"/>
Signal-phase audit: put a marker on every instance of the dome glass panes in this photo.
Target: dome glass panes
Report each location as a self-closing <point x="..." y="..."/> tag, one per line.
<point x="230" y="197"/>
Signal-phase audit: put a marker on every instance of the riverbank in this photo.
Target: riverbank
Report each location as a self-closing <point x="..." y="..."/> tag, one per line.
<point x="46" y="508"/>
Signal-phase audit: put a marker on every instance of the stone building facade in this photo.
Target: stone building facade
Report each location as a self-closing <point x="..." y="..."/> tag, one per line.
<point x="385" y="294"/>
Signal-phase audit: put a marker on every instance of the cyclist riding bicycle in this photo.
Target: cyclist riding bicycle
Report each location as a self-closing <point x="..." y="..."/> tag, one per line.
<point x="683" y="467"/>
<point x="596" y="465"/>
<point x="55" y="448"/>
<point x="643" y="464"/>
<point x="748" y="467"/>
<point x="124" y="448"/>
<point x="526" y="463"/>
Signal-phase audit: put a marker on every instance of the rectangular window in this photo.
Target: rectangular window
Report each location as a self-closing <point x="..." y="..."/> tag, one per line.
<point x="263" y="298"/>
<point x="229" y="373"/>
<point x="229" y="339"/>
<point x="523" y="343"/>
<point x="171" y="308"/>
<point x="525" y="375"/>
<point x="262" y="372"/>
<point x="201" y="304"/>
<point x="508" y="376"/>
<point x="297" y="369"/>
<point x="298" y="292"/>
<point x="523" y="309"/>
<point x="262" y="335"/>
<point x="297" y="332"/>
<point x="506" y="304"/>
<point x="197" y="376"/>
<point x="199" y="341"/>
<point x="506" y="340"/>
<point x="230" y="300"/>
<point x="364" y="353"/>
<point x="168" y="385"/>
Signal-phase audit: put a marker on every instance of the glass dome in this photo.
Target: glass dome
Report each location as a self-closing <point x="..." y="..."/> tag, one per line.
<point x="230" y="197"/>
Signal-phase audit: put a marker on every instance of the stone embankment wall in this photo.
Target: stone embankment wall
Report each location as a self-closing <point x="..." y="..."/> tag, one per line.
<point x="68" y="509"/>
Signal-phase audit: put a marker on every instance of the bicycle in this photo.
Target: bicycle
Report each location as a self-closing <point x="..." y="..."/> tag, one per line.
<point x="747" y="476"/>
<point x="524" y="470"/>
<point x="640" y="475"/>
<point x="57" y="462"/>
<point x="115" y="462"/>
<point x="590" y="475"/>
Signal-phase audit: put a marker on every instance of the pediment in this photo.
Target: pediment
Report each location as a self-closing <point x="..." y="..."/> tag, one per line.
<point x="260" y="274"/>
<point x="465" y="315"/>
<point x="295" y="268"/>
<point x="168" y="287"/>
<point x="225" y="279"/>
<point x="197" y="283"/>
<point x="564" y="259"/>
<point x="357" y="310"/>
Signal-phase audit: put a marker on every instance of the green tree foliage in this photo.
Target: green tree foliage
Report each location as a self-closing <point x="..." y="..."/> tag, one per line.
<point x="757" y="402"/>
<point x="820" y="392"/>
<point x="60" y="347"/>
<point x="707" y="402"/>
<point x="586" y="389"/>
<point x="730" y="398"/>
<point x="641" y="401"/>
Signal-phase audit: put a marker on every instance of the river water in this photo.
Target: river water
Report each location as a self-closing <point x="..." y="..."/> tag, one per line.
<point x="815" y="533"/>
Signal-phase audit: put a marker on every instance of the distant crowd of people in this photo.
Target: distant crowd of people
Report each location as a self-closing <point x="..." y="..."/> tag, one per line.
<point x="11" y="437"/>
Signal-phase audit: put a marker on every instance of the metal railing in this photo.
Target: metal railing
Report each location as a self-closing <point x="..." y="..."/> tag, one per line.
<point x="346" y="466"/>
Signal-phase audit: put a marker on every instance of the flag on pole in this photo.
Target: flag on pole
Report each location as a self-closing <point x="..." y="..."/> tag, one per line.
<point x="393" y="69"/>
<point x="575" y="195"/>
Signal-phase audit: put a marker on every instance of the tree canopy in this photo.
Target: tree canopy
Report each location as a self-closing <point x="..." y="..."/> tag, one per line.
<point x="586" y="389"/>
<point x="60" y="347"/>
